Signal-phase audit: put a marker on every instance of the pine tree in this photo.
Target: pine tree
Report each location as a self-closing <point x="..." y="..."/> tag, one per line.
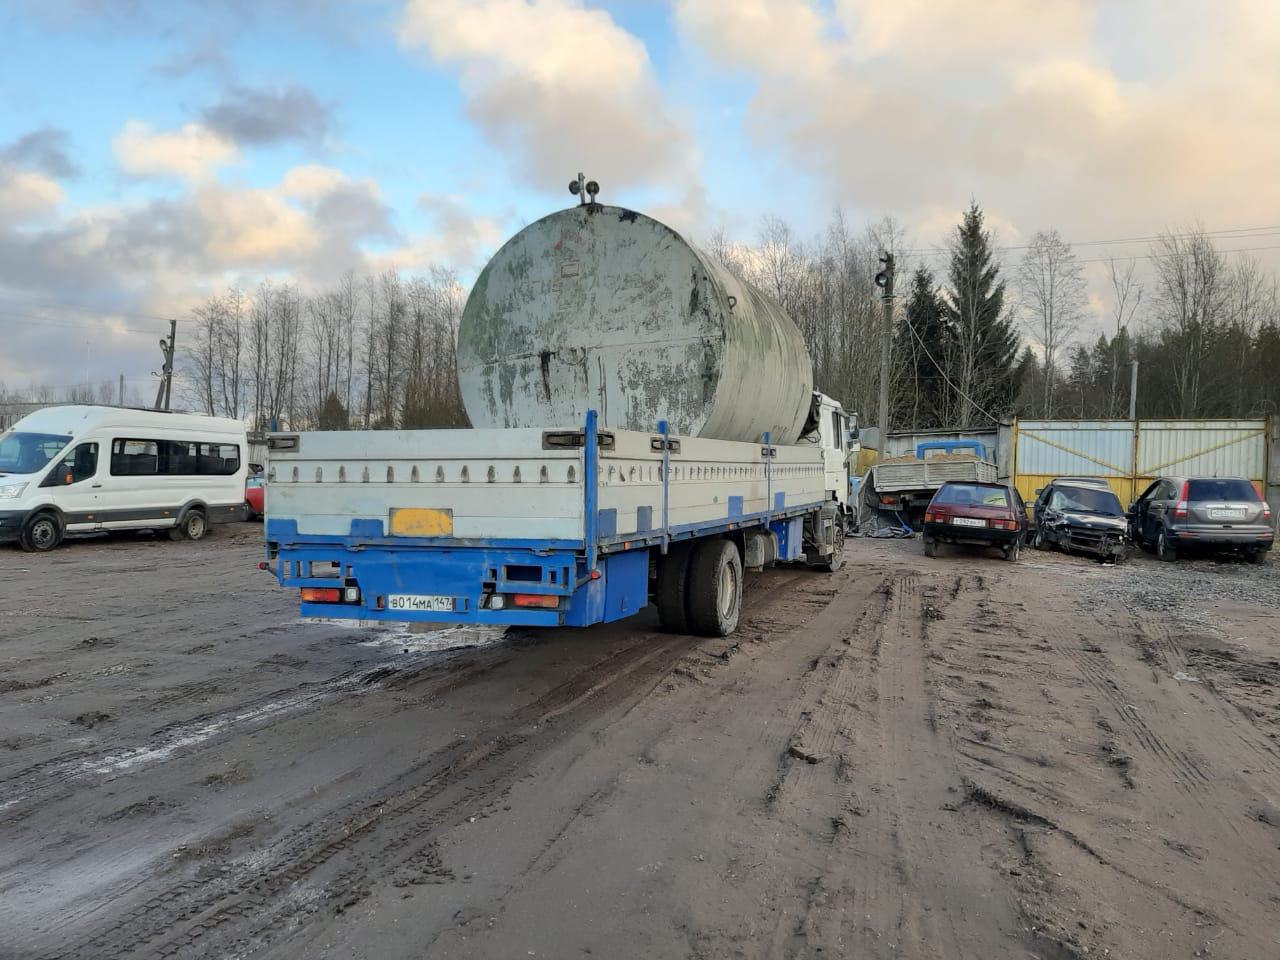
<point x="983" y="367"/>
<point x="922" y="344"/>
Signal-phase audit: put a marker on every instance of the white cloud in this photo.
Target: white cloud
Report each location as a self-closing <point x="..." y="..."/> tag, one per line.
<point x="557" y="88"/>
<point x="1067" y="114"/>
<point x="28" y="195"/>
<point x="189" y="153"/>
<point x="311" y="180"/>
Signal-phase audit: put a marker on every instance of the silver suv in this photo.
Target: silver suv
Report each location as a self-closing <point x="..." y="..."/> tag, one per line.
<point x="1176" y="514"/>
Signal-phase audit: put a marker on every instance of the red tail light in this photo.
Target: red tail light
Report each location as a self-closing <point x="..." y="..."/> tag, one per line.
<point x="1266" y="512"/>
<point x="544" y="600"/>
<point x="935" y="517"/>
<point x="1004" y="524"/>
<point x="321" y="595"/>
<point x="1180" y="510"/>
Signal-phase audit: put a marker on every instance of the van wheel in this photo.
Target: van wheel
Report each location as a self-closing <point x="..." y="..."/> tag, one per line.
<point x="1163" y="550"/>
<point x="191" y="526"/>
<point x="671" y="593"/>
<point x="715" y="588"/>
<point x="41" y="533"/>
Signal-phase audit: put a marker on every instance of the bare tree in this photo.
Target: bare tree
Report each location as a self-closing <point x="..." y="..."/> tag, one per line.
<point x="1053" y="299"/>
<point x="1190" y="300"/>
<point x="1128" y="295"/>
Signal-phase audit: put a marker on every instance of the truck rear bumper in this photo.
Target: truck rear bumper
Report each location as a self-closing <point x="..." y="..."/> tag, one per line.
<point x="513" y="586"/>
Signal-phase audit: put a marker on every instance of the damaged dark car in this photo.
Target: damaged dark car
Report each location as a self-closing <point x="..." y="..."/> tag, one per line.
<point x="1080" y="515"/>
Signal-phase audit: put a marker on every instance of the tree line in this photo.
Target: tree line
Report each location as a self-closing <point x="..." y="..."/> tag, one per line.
<point x="378" y="352"/>
<point x="981" y="343"/>
<point x="977" y="342"/>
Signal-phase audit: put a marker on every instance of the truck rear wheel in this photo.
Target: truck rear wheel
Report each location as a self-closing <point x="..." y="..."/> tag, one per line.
<point x="715" y="588"/>
<point x="671" y="593"/>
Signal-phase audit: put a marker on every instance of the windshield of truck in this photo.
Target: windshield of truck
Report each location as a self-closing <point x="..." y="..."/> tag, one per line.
<point x="22" y="452"/>
<point x="1086" y="500"/>
<point x="972" y="495"/>
<point x="1222" y="489"/>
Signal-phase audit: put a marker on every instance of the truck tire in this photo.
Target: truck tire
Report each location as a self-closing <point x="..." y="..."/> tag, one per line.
<point x="836" y="560"/>
<point x="41" y="533"/>
<point x="715" y="588"/>
<point x="671" y="592"/>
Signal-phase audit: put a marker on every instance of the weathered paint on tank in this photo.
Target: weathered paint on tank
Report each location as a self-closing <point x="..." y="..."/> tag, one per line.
<point x="598" y="307"/>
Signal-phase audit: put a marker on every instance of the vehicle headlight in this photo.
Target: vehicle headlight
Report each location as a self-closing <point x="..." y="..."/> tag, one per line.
<point x="12" y="491"/>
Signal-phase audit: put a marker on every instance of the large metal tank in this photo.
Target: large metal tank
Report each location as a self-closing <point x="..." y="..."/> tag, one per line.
<point x="601" y="307"/>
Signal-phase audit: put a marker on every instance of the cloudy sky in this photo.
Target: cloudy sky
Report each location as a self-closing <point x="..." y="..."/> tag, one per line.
<point x="155" y="151"/>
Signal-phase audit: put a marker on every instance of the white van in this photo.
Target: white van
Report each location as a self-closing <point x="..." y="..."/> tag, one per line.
<point x="82" y="468"/>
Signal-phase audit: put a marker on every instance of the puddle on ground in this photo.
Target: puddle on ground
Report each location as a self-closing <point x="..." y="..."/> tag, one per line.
<point x="419" y="637"/>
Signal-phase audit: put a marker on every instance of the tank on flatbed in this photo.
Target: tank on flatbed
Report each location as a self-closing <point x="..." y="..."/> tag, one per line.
<point x="597" y="307"/>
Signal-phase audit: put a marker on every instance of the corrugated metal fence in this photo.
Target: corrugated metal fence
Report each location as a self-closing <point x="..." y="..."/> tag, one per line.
<point x="1129" y="454"/>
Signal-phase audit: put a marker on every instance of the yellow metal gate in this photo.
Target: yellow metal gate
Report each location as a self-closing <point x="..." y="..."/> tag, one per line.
<point x="1129" y="454"/>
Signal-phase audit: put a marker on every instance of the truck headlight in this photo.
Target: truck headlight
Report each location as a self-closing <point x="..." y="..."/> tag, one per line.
<point x="12" y="491"/>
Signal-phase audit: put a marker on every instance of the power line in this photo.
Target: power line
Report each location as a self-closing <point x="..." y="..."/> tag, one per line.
<point x="941" y="256"/>
<point x="937" y="366"/>
<point x="44" y="321"/>
<point x="81" y="308"/>
<point x="1229" y="233"/>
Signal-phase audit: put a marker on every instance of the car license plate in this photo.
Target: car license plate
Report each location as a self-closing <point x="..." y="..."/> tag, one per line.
<point x="1226" y="514"/>
<point x="968" y="522"/>
<point x="419" y="603"/>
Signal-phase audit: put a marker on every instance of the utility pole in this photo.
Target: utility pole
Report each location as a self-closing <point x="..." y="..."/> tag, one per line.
<point x="884" y="279"/>
<point x="1133" y="390"/>
<point x="166" y="374"/>
<point x="120" y="398"/>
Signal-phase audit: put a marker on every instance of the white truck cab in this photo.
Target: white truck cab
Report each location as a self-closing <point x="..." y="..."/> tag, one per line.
<point x="74" y="469"/>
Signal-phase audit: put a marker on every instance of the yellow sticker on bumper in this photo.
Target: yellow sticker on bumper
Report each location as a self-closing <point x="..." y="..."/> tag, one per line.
<point x="421" y="522"/>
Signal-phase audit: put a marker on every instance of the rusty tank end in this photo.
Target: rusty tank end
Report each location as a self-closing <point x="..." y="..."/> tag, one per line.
<point x="605" y="308"/>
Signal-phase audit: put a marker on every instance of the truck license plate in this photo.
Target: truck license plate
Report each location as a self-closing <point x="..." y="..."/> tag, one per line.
<point x="968" y="522"/>
<point x="419" y="602"/>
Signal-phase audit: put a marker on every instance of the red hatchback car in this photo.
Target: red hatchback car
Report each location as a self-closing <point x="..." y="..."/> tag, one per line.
<point x="978" y="514"/>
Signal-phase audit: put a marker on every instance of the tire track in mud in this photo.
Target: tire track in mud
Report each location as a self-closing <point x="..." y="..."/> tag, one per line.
<point x="1157" y="644"/>
<point x="1132" y="716"/>
<point x="1183" y="770"/>
<point x="867" y="776"/>
<point x="34" y="786"/>
<point x="334" y="864"/>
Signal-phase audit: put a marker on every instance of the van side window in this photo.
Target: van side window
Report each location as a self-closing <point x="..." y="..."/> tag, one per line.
<point x="148" y="458"/>
<point x="80" y="463"/>
<point x="133" y="458"/>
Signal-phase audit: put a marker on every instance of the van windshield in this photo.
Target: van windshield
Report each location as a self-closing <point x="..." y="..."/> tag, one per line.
<point x="22" y="452"/>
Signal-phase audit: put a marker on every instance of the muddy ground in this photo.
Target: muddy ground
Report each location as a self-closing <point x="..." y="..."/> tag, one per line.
<point x="917" y="758"/>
